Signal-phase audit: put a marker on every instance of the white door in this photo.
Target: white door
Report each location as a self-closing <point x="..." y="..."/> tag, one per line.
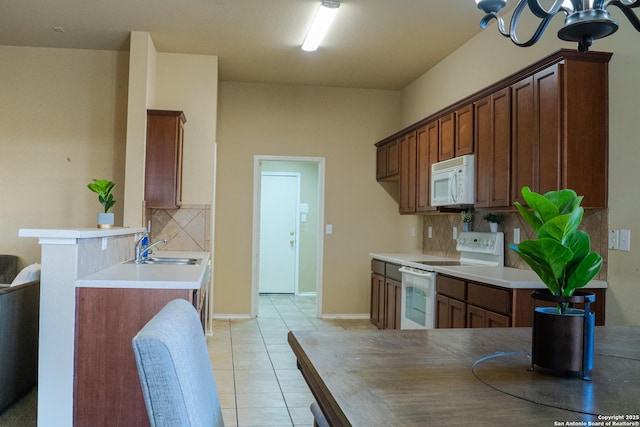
<point x="279" y="201"/>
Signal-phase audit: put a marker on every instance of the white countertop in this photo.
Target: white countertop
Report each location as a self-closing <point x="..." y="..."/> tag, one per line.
<point x="505" y="277"/>
<point x="77" y="233"/>
<point x="151" y="276"/>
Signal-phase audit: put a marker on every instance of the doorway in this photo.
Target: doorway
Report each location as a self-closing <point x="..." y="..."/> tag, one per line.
<point x="299" y="242"/>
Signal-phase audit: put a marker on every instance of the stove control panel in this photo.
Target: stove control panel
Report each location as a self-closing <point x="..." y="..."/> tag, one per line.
<point x="479" y="242"/>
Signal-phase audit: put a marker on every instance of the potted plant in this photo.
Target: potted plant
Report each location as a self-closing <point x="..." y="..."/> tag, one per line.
<point x="103" y="188"/>
<point x="466" y="217"/>
<point x="494" y="220"/>
<point x="562" y="259"/>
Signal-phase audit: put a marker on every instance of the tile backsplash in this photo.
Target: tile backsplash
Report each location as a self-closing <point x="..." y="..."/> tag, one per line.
<point x="595" y="223"/>
<point x="186" y="229"/>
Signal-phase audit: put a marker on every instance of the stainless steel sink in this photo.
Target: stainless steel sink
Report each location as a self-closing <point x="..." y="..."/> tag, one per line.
<point x="168" y="261"/>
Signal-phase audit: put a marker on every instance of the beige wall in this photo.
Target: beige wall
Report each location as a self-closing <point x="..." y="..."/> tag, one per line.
<point x="62" y="123"/>
<point x="340" y="125"/>
<point x="489" y="57"/>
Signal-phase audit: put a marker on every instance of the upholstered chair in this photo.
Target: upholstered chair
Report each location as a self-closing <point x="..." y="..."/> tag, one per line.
<point x="175" y="370"/>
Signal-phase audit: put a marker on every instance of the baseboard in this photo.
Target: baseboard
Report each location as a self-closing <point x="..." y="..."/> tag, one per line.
<point x="231" y="316"/>
<point x="346" y="316"/>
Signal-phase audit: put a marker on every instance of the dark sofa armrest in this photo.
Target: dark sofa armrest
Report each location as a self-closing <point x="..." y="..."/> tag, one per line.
<point x="19" y="324"/>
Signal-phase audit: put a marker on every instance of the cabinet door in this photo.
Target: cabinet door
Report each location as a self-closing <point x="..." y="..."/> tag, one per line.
<point x="446" y="140"/>
<point x="464" y="131"/>
<point x="377" y="286"/>
<point x="390" y="304"/>
<point x="408" y="165"/>
<point x="501" y="155"/>
<point x="457" y="314"/>
<point x="524" y="136"/>
<point x="484" y="152"/>
<point x="381" y="162"/>
<point x="393" y="158"/>
<point x="442" y="311"/>
<point x="476" y="317"/>
<point x="495" y="320"/>
<point x="547" y="103"/>
<point x="163" y="162"/>
<point x="493" y="149"/>
<point x="427" y="148"/>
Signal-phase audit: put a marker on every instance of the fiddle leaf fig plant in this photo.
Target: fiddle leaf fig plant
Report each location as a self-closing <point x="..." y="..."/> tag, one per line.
<point x="103" y="187"/>
<point x="561" y="255"/>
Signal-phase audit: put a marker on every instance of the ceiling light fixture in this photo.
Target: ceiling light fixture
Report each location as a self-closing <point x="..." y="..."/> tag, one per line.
<point x="586" y="20"/>
<point x="321" y="22"/>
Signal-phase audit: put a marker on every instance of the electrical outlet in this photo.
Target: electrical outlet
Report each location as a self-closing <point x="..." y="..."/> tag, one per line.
<point x="625" y="240"/>
<point x="329" y="229"/>
<point x="455" y="233"/>
<point x="430" y="232"/>
<point x="413" y="231"/>
<point x="614" y="239"/>
<point x="516" y="236"/>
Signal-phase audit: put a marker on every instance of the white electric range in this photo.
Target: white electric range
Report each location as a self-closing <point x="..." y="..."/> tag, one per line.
<point x="418" y="284"/>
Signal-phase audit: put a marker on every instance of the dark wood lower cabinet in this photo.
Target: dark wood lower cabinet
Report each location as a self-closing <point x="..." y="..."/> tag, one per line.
<point x="450" y="313"/>
<point x="480" y="318"/>
<point x="393" y="301"/>
<point x="107" y="388"/>
<point x="461" y="303"/>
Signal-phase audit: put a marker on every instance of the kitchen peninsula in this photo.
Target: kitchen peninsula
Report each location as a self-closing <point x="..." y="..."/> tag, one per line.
<point x="92" y="303"/>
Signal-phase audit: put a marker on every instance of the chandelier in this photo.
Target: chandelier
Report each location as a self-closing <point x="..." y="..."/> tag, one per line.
<point x="586" y="20"/>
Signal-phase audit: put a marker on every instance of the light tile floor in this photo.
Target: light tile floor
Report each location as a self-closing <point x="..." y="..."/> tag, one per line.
<point x="255" y="369"/>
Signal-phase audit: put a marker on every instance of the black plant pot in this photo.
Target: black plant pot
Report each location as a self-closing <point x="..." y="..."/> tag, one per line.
<point x="563" y="342"/>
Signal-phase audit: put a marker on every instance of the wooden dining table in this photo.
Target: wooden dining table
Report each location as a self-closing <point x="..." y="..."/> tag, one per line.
<point x="465" y="377"/>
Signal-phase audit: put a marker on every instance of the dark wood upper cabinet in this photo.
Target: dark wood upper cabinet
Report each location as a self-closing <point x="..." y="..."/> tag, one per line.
<point x="464" y="131"/>
<point x="493" y="149"/>
<point x="446" y="137"/>
<point x="427" y="146"/>
<point x="163" y="166"/>
<point x="545" y="126"/>
<point x="408" y="169"/>
<point x="388" y="161"/>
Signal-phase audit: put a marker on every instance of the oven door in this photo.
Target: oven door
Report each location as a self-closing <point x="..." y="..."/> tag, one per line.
<point x="418" y="299"/>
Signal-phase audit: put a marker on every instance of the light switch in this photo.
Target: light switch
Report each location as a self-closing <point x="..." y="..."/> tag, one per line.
<point x="625" y="240"/>
<point x="455" y="233"/>
<point x="104" y="243"/>
<point x="430" y="232"/>
<point x="516" y="236"/>
<point x="614" y="239"/>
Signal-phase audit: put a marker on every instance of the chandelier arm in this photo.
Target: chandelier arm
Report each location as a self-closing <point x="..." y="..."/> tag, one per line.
<point x="626" y="9"/>
<point x="536" y="35"/>
<point x="541" y="12"/>
<point x="500" y="22"/>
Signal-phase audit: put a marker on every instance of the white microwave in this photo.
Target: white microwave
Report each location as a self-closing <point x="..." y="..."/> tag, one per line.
<point x="452" y="182"/>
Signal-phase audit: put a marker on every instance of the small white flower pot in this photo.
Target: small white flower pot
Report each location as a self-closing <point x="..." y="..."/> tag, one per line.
<point x="105" y="220"/>
<point x="493" y="226"/>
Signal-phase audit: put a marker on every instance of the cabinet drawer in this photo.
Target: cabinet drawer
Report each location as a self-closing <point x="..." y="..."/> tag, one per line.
<point x="377" y="266"/>
<point x="455" y="288"/>
<point x="392" y="271"/>
<point x="494" y="299"/>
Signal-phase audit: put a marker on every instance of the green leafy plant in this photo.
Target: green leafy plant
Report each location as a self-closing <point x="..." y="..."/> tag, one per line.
<point x="466" y="216"/>
<point x="561" y="255"/>
<point x="493" y="217"/>
<point x="103" y="187"/>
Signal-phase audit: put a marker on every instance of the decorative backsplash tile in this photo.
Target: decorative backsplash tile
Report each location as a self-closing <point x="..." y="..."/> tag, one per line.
<point x="594" y="223"/>
<point x="186" y="229"/>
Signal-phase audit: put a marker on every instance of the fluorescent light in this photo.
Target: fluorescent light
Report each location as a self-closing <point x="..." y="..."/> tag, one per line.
<point x="321" y="22"/>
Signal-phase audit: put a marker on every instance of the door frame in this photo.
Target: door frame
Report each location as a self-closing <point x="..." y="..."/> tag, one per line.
<point x="255" y="263"/>
<point x="296" y="261"/>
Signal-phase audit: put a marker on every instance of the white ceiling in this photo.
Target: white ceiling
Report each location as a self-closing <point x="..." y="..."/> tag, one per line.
<point x="381" y="44"/>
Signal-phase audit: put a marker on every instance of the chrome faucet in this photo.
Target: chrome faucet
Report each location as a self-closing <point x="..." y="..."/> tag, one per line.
<point x="143" y="250"/>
